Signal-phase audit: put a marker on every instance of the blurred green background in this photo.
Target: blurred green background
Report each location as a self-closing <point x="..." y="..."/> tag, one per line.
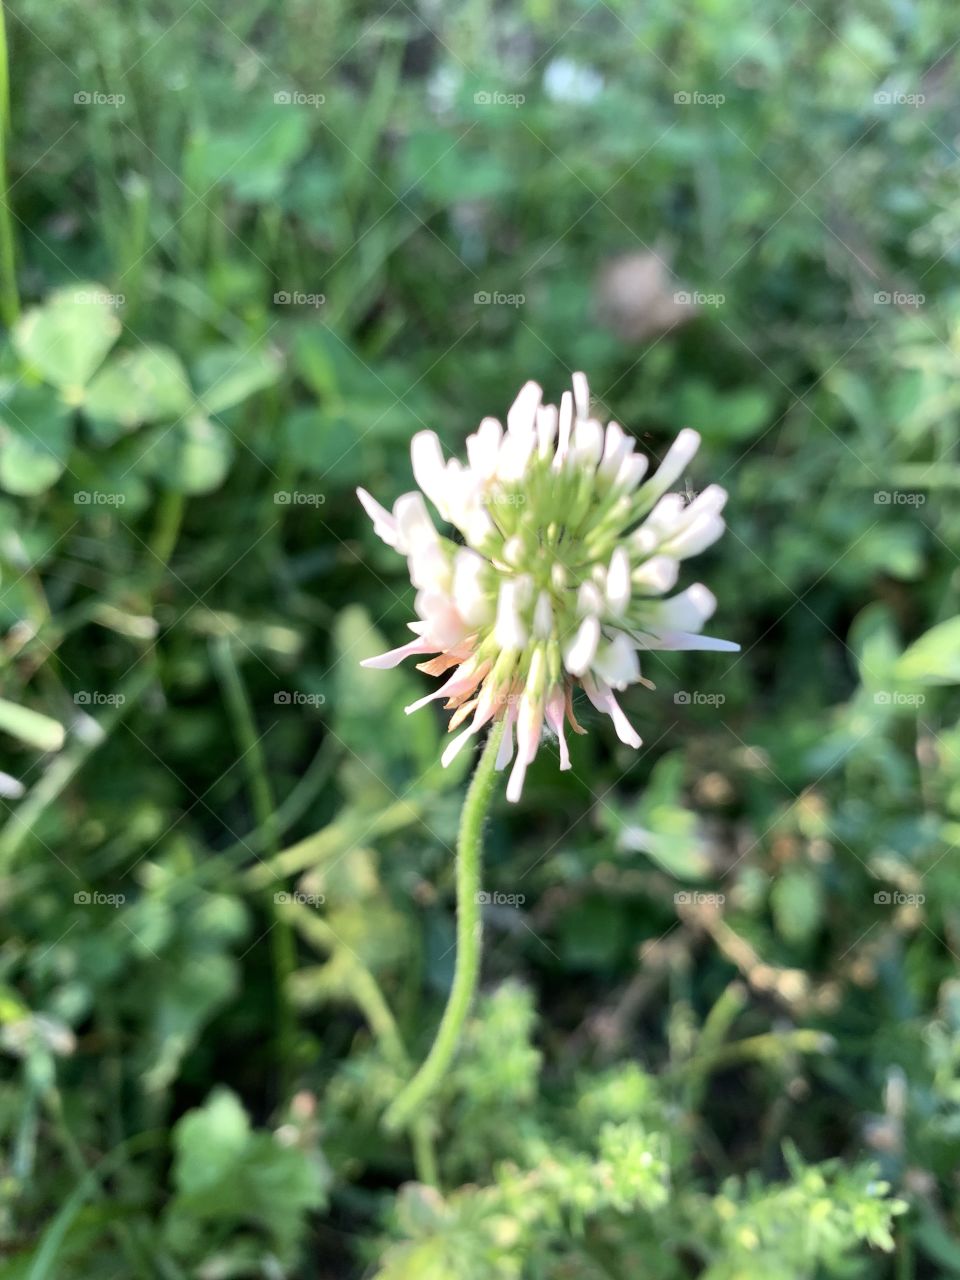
<point x="256" y="248"/>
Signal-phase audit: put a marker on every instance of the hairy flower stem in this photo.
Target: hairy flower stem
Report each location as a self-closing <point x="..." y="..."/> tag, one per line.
<point x="411" y="1098"/>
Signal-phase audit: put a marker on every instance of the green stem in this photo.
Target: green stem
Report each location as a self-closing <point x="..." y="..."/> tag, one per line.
<point x="9" y="298"/>
<point x="282" y="946"/>
<point x="469" y="850"/>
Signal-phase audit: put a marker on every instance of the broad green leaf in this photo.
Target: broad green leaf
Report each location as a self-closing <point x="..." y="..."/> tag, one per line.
<point x="35" y="437"/>
<point x="31" y="727"/>
<point x="145" y="385"/>
<point x="67" y="337"/>
<point x="225" y="376"/>
<point x="193" y="456"/>
<point x="935" y="657"/>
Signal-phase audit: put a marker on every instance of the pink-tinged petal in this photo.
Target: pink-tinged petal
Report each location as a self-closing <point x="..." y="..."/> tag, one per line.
<point x="466" y="677"/>
<point x="394" y="657"/>
<point x="385" y="525"/>
<point x="555" y="715"/>
<point x="600" y="694"/>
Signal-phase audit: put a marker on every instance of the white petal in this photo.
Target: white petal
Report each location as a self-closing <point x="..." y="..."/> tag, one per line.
<point x="564" y="425"/>
<point x="687" y="611"/>
<point x="617" y="662"/>
<point x="470" y="593"/>
<point x="602" y="698"/>
<point x="581" y="394"/>
<point x="555" y="715"/>
<point x="546" y="429"/>
<point x="384" y="524"/>
<point x="429" y="470"/>
<point x="543" y="616"/>
<point x="588" y="441"/>
<point x="505" y="752"/>
<point x="656" y="575"/>
<point x="509" y="631"/>
<point x="630" y="472"/>
<point x="580" y="653"/>
<point x="702" y="533"/>
<point x="523" y="412"/>
<point x="618" y="581"/>
<point x="483" y="448"/>
<point x="673" y="465"/>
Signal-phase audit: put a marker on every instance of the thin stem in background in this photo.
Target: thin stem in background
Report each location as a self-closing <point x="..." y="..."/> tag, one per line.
<point x="9" y="297"/>
<point x="405" y="1106"/>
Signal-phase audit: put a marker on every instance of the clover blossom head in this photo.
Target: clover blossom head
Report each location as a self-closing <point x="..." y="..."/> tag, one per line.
<point x="559" y="576"/>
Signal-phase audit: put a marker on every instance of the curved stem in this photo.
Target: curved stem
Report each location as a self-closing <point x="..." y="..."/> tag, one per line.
<point x="469" y="853"/>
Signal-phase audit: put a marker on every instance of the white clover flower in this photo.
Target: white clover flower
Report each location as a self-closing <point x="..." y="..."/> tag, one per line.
<point x="558" y="580"/>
